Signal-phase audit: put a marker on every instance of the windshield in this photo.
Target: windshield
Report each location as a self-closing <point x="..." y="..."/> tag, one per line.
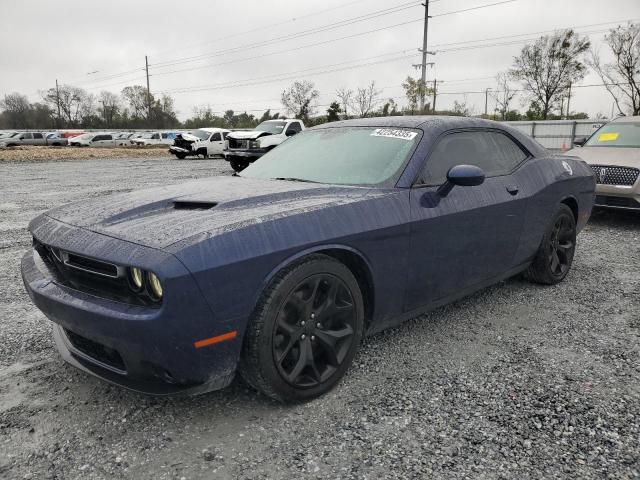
<point x="616" y="135"/>
<point x="271" y="127"/>
<point x="201" y="134"/>
<point x="349" y="156"/>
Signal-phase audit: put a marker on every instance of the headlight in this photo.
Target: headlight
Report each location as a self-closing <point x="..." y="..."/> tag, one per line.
<point x="254" y="144"/>
<point x="135" y="275"/>
<point x="154" y="286"/>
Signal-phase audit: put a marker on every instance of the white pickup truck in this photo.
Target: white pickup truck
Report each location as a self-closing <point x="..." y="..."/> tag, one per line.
<point x="204" y="141"/>
<point x="244" y="148"/>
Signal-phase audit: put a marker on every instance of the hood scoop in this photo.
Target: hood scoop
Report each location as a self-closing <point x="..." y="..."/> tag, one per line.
<point x="193" y="205"/>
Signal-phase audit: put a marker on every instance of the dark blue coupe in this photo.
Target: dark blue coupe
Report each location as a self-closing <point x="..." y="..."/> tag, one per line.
<point x="277" y="273"/>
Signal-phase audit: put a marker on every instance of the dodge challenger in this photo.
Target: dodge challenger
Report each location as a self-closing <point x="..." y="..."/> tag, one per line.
<point x="278" y="272"/>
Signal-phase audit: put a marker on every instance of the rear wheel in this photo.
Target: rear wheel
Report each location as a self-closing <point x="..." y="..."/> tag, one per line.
<point x="181" y="156"/>
<point x="238" y="166"/>
<point x="555" y="254"/>
<point x="305" y="330"/>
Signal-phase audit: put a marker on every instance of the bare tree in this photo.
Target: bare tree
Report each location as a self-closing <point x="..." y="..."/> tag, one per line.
<point x="138" y="101"/>
<point x="16" y="108"/>
<point x="622" y="77"/>
<point x="503" y="94"/>
<point x="75" y="103"/>
<point x="547" y="67"/>
<point x="110" y="106"/>
<point x="366" y="99"/>
<point x="299" y="100"/>
<point x="344" y="95"/>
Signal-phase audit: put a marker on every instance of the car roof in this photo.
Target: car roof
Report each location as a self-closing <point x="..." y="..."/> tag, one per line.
<point x="632" y="119"/>
<point x="211" y="130"/>
<point x="415" y="121"/>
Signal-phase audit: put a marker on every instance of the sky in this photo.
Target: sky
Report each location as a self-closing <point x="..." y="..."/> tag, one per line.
<point x="241" y="55"/>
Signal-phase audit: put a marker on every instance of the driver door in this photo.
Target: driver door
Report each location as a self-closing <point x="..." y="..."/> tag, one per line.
<point x="216" y="144"/>
<point x="470" y="235"/>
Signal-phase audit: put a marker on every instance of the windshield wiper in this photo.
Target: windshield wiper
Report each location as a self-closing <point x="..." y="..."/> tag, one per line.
<point x="293" y="179"/>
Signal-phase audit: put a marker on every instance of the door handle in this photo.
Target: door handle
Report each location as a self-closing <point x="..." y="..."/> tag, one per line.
<point x="513" y="189"/>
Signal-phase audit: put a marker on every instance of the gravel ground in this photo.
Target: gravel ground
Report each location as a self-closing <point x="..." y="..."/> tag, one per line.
<point x="30" y="153"/>
<point x="517" y="380"/>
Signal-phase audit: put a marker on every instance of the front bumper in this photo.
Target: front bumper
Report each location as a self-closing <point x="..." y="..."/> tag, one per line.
<point x="239" y="155"/>
<point x="618" y="196"/>
<point x="154" y="347"/>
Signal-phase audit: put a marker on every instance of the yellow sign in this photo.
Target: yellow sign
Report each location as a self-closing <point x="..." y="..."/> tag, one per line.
<point x="608" y="137"/>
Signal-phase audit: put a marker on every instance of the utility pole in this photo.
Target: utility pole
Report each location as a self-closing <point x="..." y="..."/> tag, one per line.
<point x="424" y="52"/>
<point x="486" y="101"/>
<point x="569" y="101"/>
<point x="58" y="102"/>
<point x="104" y="113"/>
<point x="146" y="67"/>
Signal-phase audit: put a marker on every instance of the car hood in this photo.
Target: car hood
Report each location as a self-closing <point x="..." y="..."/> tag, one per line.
<point x="618" y="156"/>
<point x="252" y="135"/>
<point x="161" y="216"/>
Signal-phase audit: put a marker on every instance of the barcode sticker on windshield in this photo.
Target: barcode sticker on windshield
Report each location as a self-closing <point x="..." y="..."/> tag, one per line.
<point x="394" y="133"/>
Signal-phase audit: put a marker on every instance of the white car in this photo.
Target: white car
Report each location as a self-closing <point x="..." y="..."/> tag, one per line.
<point x="93" y="140"/>
<point x="244" y="148"/>
<point x="204" y="141"/>
<point x="155" y="138"/>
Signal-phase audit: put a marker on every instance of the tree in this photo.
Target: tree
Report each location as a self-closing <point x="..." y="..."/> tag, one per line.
<point x="549" y="66"/>
<point x="344" y="95"/>
<point x="299" y="100"/>
<point x="137" y="100"/>
<point x="268" y="116"/>
<point x="622" y="77"/>
<point x="390" y="108"/>
<point x="365" y="100"/>
<point x="414" y="90"/>
<point x="461" y="108"/>
<point x="75" y="103"/>
<point x="333" y="112"/>
<point x="16" y="108"/>
<point x="110" y="103"/>
<point x="503" y="94"/>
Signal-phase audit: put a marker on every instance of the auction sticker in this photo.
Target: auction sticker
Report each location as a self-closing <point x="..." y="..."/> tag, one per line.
<point x="394" y="133"/>
<point x="608" y="137"/>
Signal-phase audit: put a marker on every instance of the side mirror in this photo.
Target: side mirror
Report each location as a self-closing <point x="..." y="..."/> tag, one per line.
<point x="579" y="141"/>
<point x="463" y="176"/>
<point x="290" y="133"/>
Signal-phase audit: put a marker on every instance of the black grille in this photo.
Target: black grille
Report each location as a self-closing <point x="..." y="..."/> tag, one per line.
<point x="608" y="175"/>
<point x="95" y="350"/>
<point x="182" y="143"/>
<point x="88" y="280"/>
<point x="234" y="143"/>
<point x="621" y="202"/>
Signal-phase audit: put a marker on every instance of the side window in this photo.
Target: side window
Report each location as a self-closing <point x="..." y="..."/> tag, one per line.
<point x="224" y="135"/>
<point x="493" y="152"/>
<point x="108" y="137"/>
<point x="215" y="137"/>
<point x="97" y="138"/>
<point x="293" y="128"/>
<point x="37" y="135"/>
<point x="26" y="136"/>
<point x="155" y="136"/>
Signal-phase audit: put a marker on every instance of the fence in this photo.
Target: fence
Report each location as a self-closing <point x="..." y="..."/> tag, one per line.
<point x="557" y="134"/>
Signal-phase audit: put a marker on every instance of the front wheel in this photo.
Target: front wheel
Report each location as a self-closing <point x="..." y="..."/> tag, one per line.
<point x="181" y="156"/>
<point x="305" y="330"/>
<point x="238" y="166"/>
<point x="555" y="254"/>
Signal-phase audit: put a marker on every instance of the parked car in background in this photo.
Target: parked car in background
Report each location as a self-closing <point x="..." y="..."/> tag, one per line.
<point x="57" y="139"/>
<point x="125" y="138"/>
<point x="93" y="140"/>
<point x="24" y="138"/>
<point x="204" y="141"/>
<point x="244" y="148"/>
<point x="613" y="153"/>
<point x="277" y="273"/>
<point x="5" y="135"/>
<point x="155" y="138"/>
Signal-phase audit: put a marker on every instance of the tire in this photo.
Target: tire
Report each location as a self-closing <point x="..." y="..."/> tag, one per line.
<point x="238" y="166"/>
<point x="181" y="156"/>
<point x="554" y="257"/>
<point x="291" y="359"/>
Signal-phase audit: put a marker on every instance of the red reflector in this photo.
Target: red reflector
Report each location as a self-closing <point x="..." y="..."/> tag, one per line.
<point x="213" y="340"/>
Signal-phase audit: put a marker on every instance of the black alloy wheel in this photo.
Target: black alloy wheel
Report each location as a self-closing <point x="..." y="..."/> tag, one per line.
<point x="554" y="257"/>
<point x="304" y="331"/>
<point x="314" y="330"/>
<point x="561" y="246"/>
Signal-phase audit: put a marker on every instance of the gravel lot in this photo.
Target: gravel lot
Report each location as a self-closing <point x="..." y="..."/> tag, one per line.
<point x="518" y="380"/>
